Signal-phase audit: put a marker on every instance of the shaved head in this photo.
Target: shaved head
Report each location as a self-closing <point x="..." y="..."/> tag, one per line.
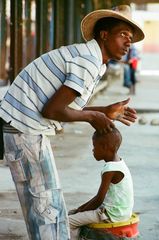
<point x="111" y="139"/>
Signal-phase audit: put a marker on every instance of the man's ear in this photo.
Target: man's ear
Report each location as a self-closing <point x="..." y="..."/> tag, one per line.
<point x="103" y="35"/>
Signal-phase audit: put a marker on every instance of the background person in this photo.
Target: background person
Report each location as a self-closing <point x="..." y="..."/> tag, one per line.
<point x="55" y="88"/>
<point x="130" y="61"/>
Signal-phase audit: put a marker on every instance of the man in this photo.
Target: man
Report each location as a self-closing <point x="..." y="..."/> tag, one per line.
<point x="56" y="88"/>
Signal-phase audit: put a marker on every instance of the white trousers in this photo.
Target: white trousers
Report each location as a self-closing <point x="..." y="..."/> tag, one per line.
<point x="83" y="218"/>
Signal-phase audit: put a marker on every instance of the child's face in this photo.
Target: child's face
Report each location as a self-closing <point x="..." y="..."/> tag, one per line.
<point x="98" y="150"/>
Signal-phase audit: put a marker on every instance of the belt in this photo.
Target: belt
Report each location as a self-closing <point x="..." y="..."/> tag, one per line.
<point x="7" y="128"/>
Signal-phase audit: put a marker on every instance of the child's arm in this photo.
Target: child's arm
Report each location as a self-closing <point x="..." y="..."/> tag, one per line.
<point x="96" y="201"/>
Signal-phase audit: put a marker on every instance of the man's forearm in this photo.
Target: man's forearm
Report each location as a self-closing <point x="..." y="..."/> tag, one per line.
<point x="102" y="109"/>
<point x="69" y="115"/>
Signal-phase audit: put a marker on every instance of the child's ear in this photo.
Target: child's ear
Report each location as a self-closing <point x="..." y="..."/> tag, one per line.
<point x="104" y="147"/>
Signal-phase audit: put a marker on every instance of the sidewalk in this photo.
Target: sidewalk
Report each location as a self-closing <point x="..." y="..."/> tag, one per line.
<point x="74" y="163"/>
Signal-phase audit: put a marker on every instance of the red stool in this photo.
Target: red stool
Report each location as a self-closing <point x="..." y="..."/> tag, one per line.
<point x="127" y="229"/>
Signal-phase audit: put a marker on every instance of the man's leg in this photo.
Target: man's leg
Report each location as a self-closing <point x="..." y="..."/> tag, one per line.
<point x="127" y="77"/>
<point x="34" y="172"/>
<point x="1" y="140"/>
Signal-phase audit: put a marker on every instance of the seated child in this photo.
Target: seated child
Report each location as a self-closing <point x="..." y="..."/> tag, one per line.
<point x="114" y="199"/>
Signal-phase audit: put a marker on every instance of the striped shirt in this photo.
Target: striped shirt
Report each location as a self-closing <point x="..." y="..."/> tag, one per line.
<point x="78" y="66"/>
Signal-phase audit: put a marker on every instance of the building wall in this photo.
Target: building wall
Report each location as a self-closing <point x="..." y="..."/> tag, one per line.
<point x="151" y="42"/>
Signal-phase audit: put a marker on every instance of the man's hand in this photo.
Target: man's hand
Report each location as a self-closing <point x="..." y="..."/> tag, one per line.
<point x="101" y="122"/>
<point x="121" y="112"/>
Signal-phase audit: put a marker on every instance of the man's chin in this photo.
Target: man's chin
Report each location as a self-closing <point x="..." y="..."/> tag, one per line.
<point x="118" y="58"/>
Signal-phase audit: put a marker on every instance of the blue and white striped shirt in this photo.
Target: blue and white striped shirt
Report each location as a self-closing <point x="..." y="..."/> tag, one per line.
<point x="78" y="66"/>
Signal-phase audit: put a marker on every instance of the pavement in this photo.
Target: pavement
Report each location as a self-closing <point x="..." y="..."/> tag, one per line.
<point x="80" y="173"/>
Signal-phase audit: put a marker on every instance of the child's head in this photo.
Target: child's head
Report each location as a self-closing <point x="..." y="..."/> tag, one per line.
<point x="106" y="145"/>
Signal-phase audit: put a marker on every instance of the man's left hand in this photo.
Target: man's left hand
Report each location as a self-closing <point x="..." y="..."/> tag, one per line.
<point x="121" y="112"/>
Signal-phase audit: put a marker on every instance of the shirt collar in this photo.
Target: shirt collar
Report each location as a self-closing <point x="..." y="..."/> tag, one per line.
<point x="98" y="53"/>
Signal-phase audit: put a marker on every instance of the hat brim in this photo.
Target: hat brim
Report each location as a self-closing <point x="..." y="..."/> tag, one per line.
<point x="88" y="23"/>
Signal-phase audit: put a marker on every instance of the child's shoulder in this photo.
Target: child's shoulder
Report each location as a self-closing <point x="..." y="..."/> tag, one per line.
<point x="113" y="166"/>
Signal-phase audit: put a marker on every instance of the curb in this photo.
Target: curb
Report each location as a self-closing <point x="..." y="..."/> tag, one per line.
<point x="11" y="195"/>
<point x="147" y="110"/>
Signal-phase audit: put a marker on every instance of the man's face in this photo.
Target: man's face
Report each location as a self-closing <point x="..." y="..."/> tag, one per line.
<point x="118" y="41"/>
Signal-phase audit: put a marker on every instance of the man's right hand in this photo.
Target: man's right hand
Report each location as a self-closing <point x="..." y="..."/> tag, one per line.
<point x="101" y="122"/>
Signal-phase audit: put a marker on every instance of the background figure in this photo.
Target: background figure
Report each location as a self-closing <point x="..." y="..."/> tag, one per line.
<point x="130" y="61"/>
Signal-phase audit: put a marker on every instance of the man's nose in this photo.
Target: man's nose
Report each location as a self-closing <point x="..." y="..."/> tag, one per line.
<point x="128" y="42"/>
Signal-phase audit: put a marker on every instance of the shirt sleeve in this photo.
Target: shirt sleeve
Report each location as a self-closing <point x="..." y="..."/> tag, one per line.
<point x="114" y="166"/>
<point x="81" y="71"/>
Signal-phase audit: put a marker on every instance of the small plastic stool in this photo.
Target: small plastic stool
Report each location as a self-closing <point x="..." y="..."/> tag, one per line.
<point x="122" y="229"/>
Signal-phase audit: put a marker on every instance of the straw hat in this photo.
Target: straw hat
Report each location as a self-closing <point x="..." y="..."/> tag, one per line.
<point x="122" y="12"/>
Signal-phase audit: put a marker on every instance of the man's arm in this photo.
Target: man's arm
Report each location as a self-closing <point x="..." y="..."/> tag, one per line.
<point x="96" y="201"/>
<point x="57" y="108"/>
